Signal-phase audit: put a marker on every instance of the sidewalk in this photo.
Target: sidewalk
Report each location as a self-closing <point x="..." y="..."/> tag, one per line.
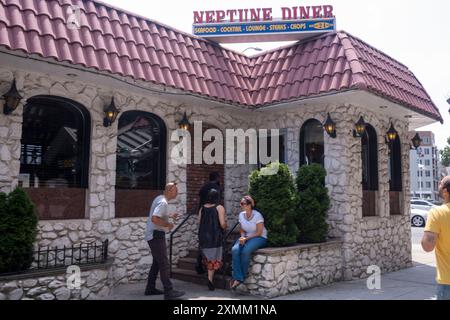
<point x="415" y="283"/>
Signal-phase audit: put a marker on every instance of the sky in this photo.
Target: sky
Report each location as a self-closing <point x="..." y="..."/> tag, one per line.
<point x="414" y="32"/>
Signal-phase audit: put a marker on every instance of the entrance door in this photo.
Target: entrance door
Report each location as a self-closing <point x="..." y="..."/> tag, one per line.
<point x="198" y="174"/>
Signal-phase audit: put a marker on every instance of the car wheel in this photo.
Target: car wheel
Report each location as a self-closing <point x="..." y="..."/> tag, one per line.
<point x="418" y="221"/>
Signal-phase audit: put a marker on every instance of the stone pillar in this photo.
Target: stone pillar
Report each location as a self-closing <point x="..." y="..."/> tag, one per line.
<point x="10" y="134"/>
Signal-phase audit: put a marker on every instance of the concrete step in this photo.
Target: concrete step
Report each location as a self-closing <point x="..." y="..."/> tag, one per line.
<point x="193" y="277"/>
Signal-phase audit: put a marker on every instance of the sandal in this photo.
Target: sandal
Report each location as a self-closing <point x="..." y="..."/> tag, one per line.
<point x="234" y="284"/>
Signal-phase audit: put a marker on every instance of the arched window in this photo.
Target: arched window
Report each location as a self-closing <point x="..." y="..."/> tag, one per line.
<point x="395" y="176"/>
<point x="369" y="158"/>
<point x="141" y="162"/>
<point x="55" y="154"/>
<point x="311" y="143"/>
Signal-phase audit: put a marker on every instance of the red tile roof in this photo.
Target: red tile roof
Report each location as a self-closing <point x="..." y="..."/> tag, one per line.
<point x="126" y="44"/>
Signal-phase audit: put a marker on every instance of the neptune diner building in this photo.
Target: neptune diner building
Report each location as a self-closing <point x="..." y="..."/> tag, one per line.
<point x="88" y="113"/>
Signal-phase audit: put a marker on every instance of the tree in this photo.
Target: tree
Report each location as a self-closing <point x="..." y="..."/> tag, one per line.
<point x="445" y="155"/>
<point x="18" y="230"/>
<point x="274" y="196"/>
<point x="312" y="204"/>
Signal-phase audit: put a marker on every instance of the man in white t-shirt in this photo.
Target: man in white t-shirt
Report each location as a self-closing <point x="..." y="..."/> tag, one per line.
<point x="157" y="226"/>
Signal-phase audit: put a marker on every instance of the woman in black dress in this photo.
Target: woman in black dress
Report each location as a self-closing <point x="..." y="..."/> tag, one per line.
<point x="212" y="224"/>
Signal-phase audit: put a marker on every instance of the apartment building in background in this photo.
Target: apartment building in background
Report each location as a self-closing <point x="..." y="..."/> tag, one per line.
<point x="424" y="168"/>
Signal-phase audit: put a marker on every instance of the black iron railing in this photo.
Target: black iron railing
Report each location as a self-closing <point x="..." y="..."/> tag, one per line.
<point x="173" y="233"/>
<point x="225" y="254"/>
<point x="82" y="254"/>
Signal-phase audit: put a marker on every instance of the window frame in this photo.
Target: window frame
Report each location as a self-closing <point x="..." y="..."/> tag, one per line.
<point x="84" y="144"/>
<point x="302" y="151"/>
<point x="161" y="146"/>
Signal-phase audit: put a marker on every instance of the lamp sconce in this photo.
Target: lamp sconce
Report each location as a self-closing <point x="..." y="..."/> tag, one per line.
<point x="360" y="128"/>
<point x="12" y="99"/>
<point x="330" y="126"/>
<point x="184" y="124"/>
<point x="416" y="141"/>
<point x="391" y="135"/>
<point x="111" y="113"/>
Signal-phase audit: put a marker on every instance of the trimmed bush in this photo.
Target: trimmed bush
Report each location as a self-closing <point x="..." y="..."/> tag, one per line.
<point x="312" y="205"/>
<point x="18" y="230"/>
<point x="274" y="197"/>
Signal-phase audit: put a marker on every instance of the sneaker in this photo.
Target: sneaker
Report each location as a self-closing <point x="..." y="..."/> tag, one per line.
<point x="211" y="286"/>
<point x="173" y="294"/>
<point x="153" y="292"/>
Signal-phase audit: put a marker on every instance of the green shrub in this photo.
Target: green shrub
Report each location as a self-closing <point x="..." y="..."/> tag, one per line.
<point x="312" y="205"/>
<point x="274" y="198"/>
<point x="18" y="230"/>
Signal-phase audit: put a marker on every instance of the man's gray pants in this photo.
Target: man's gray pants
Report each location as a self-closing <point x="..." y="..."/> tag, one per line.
<point x="160" y="264"/>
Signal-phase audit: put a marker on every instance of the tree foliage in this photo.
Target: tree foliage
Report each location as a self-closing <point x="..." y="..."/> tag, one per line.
<point x="312" y="204"/>
<point x="445" y="154"/>
<point x="274" y="195"/>
<point x="18" y="230"/>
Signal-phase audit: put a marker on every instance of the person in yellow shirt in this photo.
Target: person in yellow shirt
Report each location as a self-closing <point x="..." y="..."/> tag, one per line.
<point x="437" y="236"/>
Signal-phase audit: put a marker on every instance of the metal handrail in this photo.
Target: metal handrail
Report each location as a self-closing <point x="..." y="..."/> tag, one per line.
<point x="224" y="254"/>
<point x="171" y="238"/>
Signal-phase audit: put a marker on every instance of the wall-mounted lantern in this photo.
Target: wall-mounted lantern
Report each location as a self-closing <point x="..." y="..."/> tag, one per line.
<point x="184" y="124"/>
<point x="416" y="141"/>
<point x="330" y="127"/>
<point x="111" y="113"/>
<point x="12" y="99"/>
<point x="360" y="128"/>
<point x="391" y="135"/>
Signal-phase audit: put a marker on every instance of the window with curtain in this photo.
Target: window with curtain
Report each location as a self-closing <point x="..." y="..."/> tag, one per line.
<point x="395" y="177"/>
<point x="141" y="151"/>
<point x="369" y="159"/>
<point x="311" y="143"/>
<point x="54" y="162"/>
<point x="141" y="163"/>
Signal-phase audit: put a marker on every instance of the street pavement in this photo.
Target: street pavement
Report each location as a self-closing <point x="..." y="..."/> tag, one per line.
<point x="415" y="283"/>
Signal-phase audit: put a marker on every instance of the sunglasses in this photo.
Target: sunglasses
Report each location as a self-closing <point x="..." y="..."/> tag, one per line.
<point x="243" y="203"/>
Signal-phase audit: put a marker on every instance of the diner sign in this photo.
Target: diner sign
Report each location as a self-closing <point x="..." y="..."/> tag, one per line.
<point x="252" y="25"/>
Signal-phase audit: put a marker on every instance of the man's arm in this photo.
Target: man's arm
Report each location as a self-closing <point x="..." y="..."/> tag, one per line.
<point x="160" y="222"/>
<point x="429" y="241"/>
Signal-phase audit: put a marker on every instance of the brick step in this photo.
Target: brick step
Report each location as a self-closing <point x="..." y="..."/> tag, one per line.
<point x="193" y="253"/>
<point x="193" y="277"/>
<point x="189" y="264"/>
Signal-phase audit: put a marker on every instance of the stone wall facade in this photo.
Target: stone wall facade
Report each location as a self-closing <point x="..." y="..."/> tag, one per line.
<point x="383" y="240"/>
<point x="126" y="236"/>
<point x="95" y="284"/>
<point x="276" y="272"/>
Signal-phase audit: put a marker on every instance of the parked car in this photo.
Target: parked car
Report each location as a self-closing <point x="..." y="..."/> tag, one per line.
<point x="421" y="204"/>
<point x="437" y="203"/>
<point x="418" y="217"/>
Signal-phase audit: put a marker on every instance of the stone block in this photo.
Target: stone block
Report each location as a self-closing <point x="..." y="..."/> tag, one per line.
<point x="259" y="258"/>
<point x="16" y="294"/>
<point x="36" y="291"/>
<point x="29" y="283"/>
<point x="267" y="272"/>
<point x="46" y="296"/>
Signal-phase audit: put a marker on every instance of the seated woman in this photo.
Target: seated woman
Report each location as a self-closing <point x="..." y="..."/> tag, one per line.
<point x="253" y="237"/>
<point x="210" y="234"/>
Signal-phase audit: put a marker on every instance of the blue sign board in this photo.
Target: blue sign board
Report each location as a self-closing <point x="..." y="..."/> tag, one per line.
<point x="267" y="28"/>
